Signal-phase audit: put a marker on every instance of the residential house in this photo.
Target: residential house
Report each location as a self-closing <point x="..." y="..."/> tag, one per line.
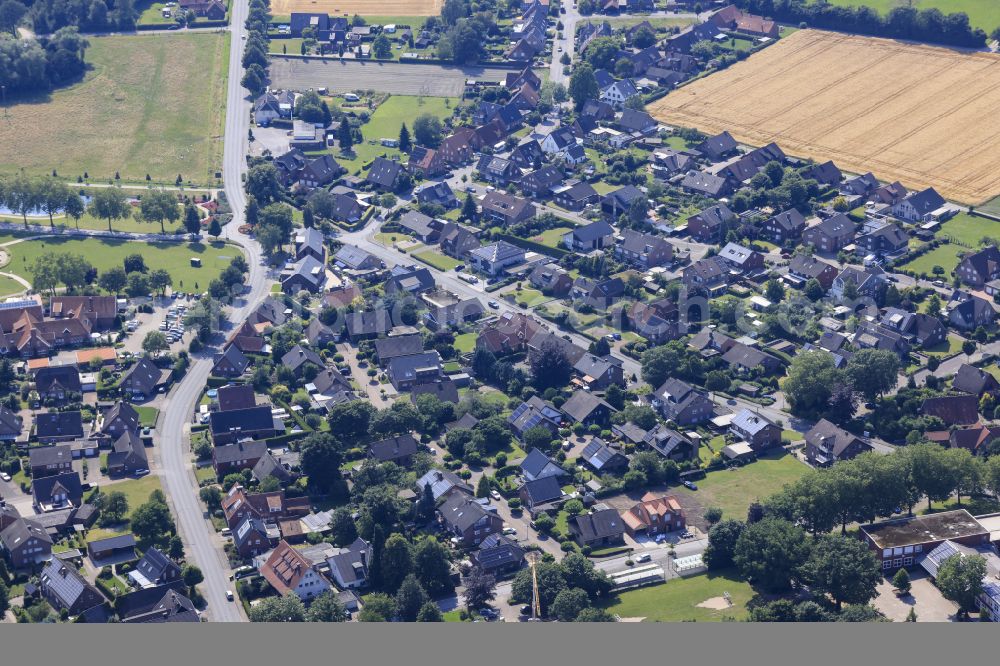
<point x="404" y="372"/>
<point x="830" y="235"/>
<point x="710" y="224"/>
<point x="682" y="403"/>
<point x="506" y="209"/>
<point x="528" y="155"/>
<point x="901" y="542"/>
<point x="919" y="328"/>
<point x="384" y="174"/>
<point x="536" y="465"/>
<point x="349" y="565"/>
<point x="952" y="409"/>
<point x="154" y="569"/>
<point x="619" y="92"/>
<point x="11" y="425"/>
<point x="586" y="408"/>
<point x="599" y="528"/>
<point x="618" y="202"/>
<point x="118" y="420"/>
<point x="467" y="520"/>
<point x="717" y="147"/>
<point x="58" y="382"/>
<point x="366" y="325"/>
<point x="869" y="282"/>
<point x="540" y="182"/>
<point x="319" y="334"/>
<point x="127" y="456"/>
<point x="509" y="332"/>
<point x="443" y="483"/>
<point x="252" y="537"/>
<point x="918" y="206"/>
<point x="458" y="240"/>
<point x="236" y="424"/>
<point x="399" y="450"/>
<point x="540" y="494"/>
<point x="825" y="173"/>
<point x="653" y="515"/>
<point x="387" y="349"/>
<point x="744" y="358"/>
<point x="575" y="196"/>
<point x="493" y="259"/>
<point x="426" y="162"/>
<point x="143" y="379"/>
<point x="633" y="120"/>
<point x="236" y="397"/>
<point x="58" y="491"/>
<point x="298" y="359"/>
<point x="643" y="250"/>
<point x="656" y="321"/>
<point x="534" y="413"/>
<point x="26" y="543"/>
<point x="598" y="373"/>
<point x="423" y="227"/>
<point x="742" y="259"/>
<point x="120" y="547"/>
<point x="51" y="459"/>
<point x="827" y="444"/>
<point x="100" y="311"/>
<point x="600" y="294"/>
<point x="594" y="236"/>
<point x="498" y="170"/>
<point x="978" y="268"/>
<point x="603" y="459"/>
<point x="411" y="280"/>
<point x="439" y="194"/>
<point x="156" y="605"/>
<point x="755" y="429"/>
<point x="288" y="571"/>
<point x="972" y="380"/>
<point x="319" y="172"/>
<point x="456" y="149"/>
<point x="310" y="242"/>
<point x="348" y="209"/>
<point x="66" y="589"/>
<point x="498" y="555"/>
<point x="785" y="226"/>
<point x="551" y="279"/>
<point x="58" y="427"/>
<point x="803" y="268"/>
<point x="968" y="312"/>
<point x="884" y="241"/>
<point x="307" y="274"/>
<point x="231" y="363"/>
<point x="708" y="273"/>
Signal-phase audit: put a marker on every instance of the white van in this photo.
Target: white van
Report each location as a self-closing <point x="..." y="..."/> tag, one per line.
<point x="351" y="97"/>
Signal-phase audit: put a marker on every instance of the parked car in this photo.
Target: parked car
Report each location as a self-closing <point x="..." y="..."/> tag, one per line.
<point x="690" y="486"/>
<point x="645" y="557"/>
<point x="229" y="595"/>
<point x="5" y="476"/>
<point x="495" y="495"/>
<point x="494" y="305"/>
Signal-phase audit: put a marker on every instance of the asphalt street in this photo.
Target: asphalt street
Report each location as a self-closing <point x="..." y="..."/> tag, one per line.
<point x="202" y="545"/>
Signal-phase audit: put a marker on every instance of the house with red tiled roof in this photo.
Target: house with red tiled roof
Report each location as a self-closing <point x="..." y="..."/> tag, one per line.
<point x="654" y="515"/>
<point x="287" y="570"/>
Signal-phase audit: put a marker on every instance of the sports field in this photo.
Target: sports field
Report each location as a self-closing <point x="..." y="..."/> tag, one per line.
<point x="150" y="104"/>
<point x="919" y="114"/>
<point x="362" y="7"/>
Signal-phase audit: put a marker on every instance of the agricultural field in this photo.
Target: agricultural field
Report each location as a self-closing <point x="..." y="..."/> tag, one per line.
<point x="983" y="14"/>
<point x="362" y="7"/>
<point x="103" y="254"/>
<point x="919" y="114"/>
<point x="150" y="104"/>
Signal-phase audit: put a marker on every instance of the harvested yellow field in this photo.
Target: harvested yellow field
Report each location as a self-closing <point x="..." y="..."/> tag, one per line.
<point x="362" y="7"/>
<point x="923" y="115"/>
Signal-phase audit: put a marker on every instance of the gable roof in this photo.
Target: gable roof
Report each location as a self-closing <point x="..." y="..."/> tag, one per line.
<point x="393" y="448"/>
<point x="603" y="524"/>
<point x="59" y="424"/>
<point x="582" y="404"/>
<point x="249" y="419"/>
<point x="285" y="568"/>
<point x="543" y="490"/>
<point x="970" y="379"/>
<point x="953" y="409"/>
<point x="236" y="396"/>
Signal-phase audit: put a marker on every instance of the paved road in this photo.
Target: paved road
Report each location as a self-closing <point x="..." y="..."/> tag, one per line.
<point x="391" y="77"/>
<point x="201" y="543"/>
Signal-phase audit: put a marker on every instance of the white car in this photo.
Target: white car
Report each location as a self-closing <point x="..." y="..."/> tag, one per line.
<point x="5" y="476"/>
<point x="645" y="557"/>
<point x="495" y="495"/>
<point x="229" y="595"/>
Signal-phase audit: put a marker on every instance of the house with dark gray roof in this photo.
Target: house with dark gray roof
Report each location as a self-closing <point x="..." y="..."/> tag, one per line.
<point x="26" y="543"/>
<point x="298" y="358"/>
<point x="918" y="206"/>
<point x="443" y="483"/>
<point x="594" y="236"/>
<point x="536" y="465"/>
<point x="755" y="429"/>
<point x="354" y="258"/>
<point x="617" y="202"/>
<point x="250" y="423"/>
<point x="127" y="455"/>
<point x="58" y="382"/>
<point x="603" y="527"/>
<point x="367" y="325"/>
<point x="540" y="493"/>
<point x="11" y="425"/>
<point x="424" y="227"/>
<point x="62" y="586"/>
<point x="826" y="444"/>
<point x="384" y="174"/>
<point x="171" y="606"/>
<point x="349" y="566"/>
<point x="643" y="250"/>
<point x="439" y="194"/>
<point x="506" y="209"/>
<point x="387" y="349"/>
<point x="406" y="371"/>
<point x="309" y="241"/>
<point x="306" y="274"/>
<point x="970" y="379"/>
<point x="58" y="427"/>
<point x="708" y="225"/>
<point x="785" y="226"/>
<point x="683" y="404"/>
<point x="718" y="146"/>
<point x="230" y="363"/>
<point x="493" y="259"/>
<point x="143" y="379"/>
<point x="468" y="520"/>
<point x="50" y="459"/>
<point x="399" y="450"/>
<point x="707" y="184"/>
<point x="153" y="569"/>
<point x="830" y="235"/>
<point x="586" y="408"/>
<point x="602" y="458"/>
<point x="409" y="280"/>
<point x="58" y="491"/>
<point x="498" y="554"/>
<point x="671" y="444"/>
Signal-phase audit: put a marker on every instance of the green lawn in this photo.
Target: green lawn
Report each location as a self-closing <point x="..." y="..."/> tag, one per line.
<point x="677" y="600"/>
<point x="9" y="286"/>
<point x="149" y="104"/>
<point x="992" y="206"/>
<point x="950" y="347"/>
<point x="147" y="416"/>
<point x="983" y="14"/>
<point x="87" y="221"/>
<point x="103" y="253"/>
<point x="136" y="490"/>
<point x="152" y="14"/>
<point x="466" y="342"/>
<point x="969" y="229"/>
<point x="603" y="187"/>
<point x="437" y="260"/>
<point x="945" y="256"/>
<point x="551" y="237"/>
<point x="203" y="474"/>
<point x="532" y="297"/>
<point x="734" y="491"/>
<point x="385" y="123"/>
<point x="291" y="46"/>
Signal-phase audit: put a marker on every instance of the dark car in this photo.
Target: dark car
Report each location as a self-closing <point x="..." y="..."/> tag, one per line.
<point x="690" y="486"/>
